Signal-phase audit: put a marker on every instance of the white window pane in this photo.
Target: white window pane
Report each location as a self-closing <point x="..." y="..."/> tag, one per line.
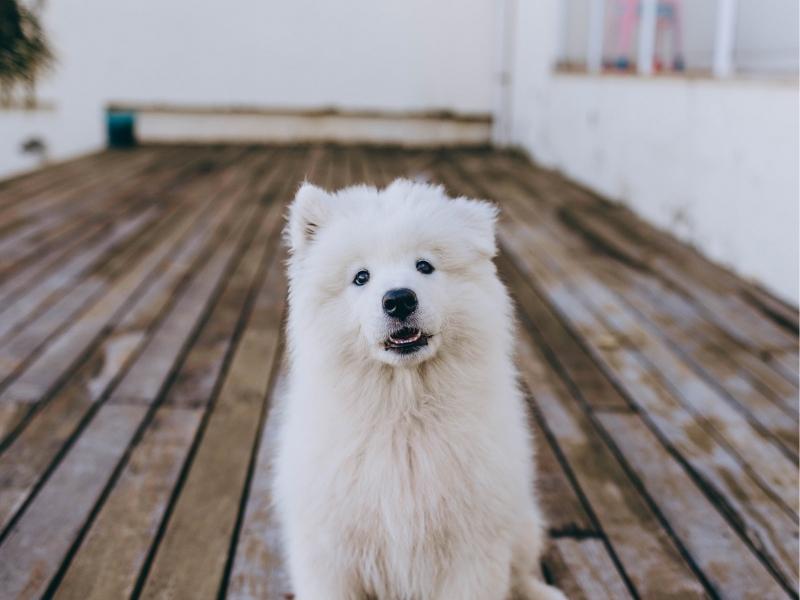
<point x="766" y="39"/>
<point x="688" y="43"/>
<point x="576" y="33"/>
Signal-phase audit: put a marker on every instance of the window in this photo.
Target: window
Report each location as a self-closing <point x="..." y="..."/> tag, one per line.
<point x="723" y="37"/>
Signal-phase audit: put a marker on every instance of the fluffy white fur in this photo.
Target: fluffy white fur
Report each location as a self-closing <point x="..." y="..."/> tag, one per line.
<point x="403" y="476"/>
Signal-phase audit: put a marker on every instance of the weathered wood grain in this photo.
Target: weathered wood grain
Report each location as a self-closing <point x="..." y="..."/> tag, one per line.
<point x="258" y="569"/>
<point x="143" y="190"/>
<point x="583" y="570"/>
<point x="592" y="384"/>
<point x="766" y="521"/>
<point x="22" y="185"/>
<point x="141" y="295"/>
<point x="28" y="457"/>
<point x="651" y="559"/>
<point x="566" y="281"/>
<point x="119" y="279"/>
<point x="728" y="563"/>
<point x="114" y="552"/>
<point x="219" y="471"/>
<point x="742" y="375"/>
<point x="714" y="290"/>
<point x="564" y="512"/>
<point x="109" y="558"/>
<point x="79" y="480"/>
<point x="191" y="558"/>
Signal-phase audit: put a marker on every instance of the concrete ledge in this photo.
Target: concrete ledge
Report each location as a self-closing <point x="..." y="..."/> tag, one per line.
<point x="158" y="123"/>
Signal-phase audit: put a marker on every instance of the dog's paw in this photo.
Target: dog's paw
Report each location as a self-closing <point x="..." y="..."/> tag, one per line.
<point x="538" y="590"/>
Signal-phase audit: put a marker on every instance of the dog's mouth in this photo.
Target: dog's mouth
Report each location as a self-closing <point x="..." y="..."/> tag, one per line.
<point x="406" y="340"/>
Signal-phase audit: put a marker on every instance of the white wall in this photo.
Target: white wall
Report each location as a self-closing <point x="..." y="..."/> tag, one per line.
<point x="392" y="55"/>
<point x="715" y="162"/>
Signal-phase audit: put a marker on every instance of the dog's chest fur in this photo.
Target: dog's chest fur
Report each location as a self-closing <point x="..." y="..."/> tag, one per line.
<point x="406" y="474"/>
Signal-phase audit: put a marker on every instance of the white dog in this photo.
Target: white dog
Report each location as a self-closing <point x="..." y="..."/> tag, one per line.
<point x="404" y="467"/>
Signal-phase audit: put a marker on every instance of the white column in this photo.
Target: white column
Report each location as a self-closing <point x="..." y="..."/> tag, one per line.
<point x="505" y="28"/>
<point x="594" y="48"/>
<point x="562" y="17"/>
<point x="647" y="37"/>
<point x="724" y="39"/>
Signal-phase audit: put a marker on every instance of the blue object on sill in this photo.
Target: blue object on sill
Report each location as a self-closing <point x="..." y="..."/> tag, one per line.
<point x="121" y="128"/>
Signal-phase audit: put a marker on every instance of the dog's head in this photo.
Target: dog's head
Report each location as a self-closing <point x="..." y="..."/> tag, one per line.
<point x="398" y="275"/>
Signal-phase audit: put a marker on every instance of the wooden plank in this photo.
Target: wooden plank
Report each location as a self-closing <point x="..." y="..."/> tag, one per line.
<point x="116" y="547"/>
<point x="716" y="291"/>
<point x="43" y="298"/>
<point x="785" y="314"/>
<point x="650" y="557"/>
<point x="587" y="455"/>
<point x="589" y="380"/>
<point x="25" y="462"/>
<point x="38" y="214"/>
<point x="192" y="556"/>
<point x="668" y="307"/>
<point x="752" y="329"/>
<point x="37" y="543"/>
<point x="55" y="362"/>
<point x="107" y="567"/>
<point x="54" y="182"/>
<point x="15" y="283"/>
<point x="17" y="188"/>
<point x="761" y="442"/>
<point x="611" y="326"/>
<point x="47" y="291"/>
<point x="769" y="417"/>
<point x="191" y="384"/>
<point x="209" y="503"/>
<point x="566" y="280"/>
<point x="564" y="511"/>
<point x="35" y="546"/>
<point x="28" y="348"/>
<point x="119" y="197"/>
<point x="583" y="570"/>
<point x="142" y="382"/>
<point x="121" y="277"/>
<point x="588" y="467"/>
<point x="766" y="522"/>
<point x="728" y="563"/>
<point x="258" y="569"/>
<point x="44" y="294"/>
<point x="741" y="373"/>
<point x="777" y="415"/>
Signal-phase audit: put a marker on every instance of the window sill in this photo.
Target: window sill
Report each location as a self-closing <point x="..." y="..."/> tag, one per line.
<point x="689" y="75"/>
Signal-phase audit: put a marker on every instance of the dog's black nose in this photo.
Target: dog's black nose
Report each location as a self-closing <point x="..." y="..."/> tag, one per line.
<point x="399" y="303"/>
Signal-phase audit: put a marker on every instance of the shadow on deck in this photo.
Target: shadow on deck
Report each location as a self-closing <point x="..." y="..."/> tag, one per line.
<point x="141" y="291"/>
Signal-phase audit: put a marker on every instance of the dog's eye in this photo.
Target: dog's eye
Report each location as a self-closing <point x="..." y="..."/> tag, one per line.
<point x="424" y="267"/>
<point x="361" y="277"/>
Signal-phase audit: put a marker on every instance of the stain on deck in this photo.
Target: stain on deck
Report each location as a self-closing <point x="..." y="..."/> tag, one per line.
<point x="141" y="301"/>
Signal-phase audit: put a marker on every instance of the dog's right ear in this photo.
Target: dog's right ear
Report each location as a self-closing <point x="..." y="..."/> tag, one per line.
<point x="307" y="212"/>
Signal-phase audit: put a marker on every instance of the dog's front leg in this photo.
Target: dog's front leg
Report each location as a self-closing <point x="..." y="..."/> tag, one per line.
<point x="478" y="576"/>
<point x="314" y="578"/>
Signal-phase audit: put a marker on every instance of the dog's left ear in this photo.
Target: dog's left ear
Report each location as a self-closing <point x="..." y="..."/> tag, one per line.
<point x="308" y="211"/>
<point x="479" y="217"/>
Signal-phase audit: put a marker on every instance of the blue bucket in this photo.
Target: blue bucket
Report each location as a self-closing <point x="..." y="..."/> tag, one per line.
<point x="121" y="128"/>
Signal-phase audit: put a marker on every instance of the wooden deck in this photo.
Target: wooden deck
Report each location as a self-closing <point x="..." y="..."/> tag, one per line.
<point x="141" y="299"/>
